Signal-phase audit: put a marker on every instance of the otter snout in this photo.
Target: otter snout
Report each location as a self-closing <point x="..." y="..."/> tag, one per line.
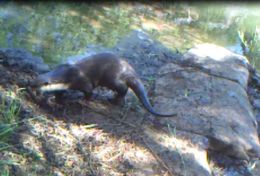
<point x="37" y="82"/>
<point x="46" y="84"/>
<point x="43" y="80"/>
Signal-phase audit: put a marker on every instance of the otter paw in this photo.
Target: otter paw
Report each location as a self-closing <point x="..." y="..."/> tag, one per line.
<point x="117" y="101"/>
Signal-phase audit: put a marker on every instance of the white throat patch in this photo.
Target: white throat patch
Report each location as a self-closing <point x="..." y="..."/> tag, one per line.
<point x="54" y="87"/>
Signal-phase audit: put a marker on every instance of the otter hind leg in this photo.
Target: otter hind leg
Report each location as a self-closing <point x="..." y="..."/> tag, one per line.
<point x="121" y="90"/>
<point x="88" y="95"/>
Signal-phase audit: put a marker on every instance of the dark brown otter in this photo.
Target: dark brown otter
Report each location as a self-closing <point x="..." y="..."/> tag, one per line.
<point x="104" y="69"/>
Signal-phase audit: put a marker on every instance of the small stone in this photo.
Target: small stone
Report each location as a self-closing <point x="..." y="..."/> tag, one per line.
<point x="256" y="103"/>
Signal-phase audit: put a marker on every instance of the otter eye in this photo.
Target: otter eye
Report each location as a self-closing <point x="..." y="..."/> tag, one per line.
<point x="73" y="71"/>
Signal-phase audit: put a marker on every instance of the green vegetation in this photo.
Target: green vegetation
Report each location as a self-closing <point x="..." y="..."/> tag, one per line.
<point x="9" y="111"/>
<point x="56" y="31"/>
<point x="5" y="172"/>
<point x="249" y="35"/>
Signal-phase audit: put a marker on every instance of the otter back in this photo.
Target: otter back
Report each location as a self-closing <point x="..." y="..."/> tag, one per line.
<point x="103" y="69"/>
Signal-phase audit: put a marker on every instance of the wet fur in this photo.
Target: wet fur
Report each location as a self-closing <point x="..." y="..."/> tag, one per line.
<point x="104" y="69"/>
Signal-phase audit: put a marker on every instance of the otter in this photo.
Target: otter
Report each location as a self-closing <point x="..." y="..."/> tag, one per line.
<point x="102" y="69"/>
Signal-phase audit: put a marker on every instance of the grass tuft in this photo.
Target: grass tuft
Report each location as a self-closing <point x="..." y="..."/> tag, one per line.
<point x="9" y="111"/>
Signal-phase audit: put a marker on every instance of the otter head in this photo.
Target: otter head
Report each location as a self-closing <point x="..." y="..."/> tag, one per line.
<point x="60" y="78"/>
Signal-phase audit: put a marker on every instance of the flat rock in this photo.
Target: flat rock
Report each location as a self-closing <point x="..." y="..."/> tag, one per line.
<point x="182" y="153"/>
<point x="220" y="62"/>
<point x="144" y="54"/>
<point x="212" y="105"/>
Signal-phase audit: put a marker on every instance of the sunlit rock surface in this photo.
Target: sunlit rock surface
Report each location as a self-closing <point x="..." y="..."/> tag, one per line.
<point x="220" y="62"/>
<point x="211" y="102"/>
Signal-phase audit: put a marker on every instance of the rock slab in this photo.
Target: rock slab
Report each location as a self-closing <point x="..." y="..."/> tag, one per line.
<point x="211" y="103"/>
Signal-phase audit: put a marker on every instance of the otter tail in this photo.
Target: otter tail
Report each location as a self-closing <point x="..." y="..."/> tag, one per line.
<point x="137" y="86"/>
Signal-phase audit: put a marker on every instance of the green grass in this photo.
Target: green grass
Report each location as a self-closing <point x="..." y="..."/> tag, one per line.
<point x="5" y="172"/>
<point x="251" y="45"/>
<point x="9" y="112"/>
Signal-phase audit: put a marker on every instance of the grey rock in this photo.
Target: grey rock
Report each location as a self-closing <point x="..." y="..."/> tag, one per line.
<point x="22" y="60"/>
<point x="184" y="153"/>
<point x="219" y="61"/>
<point x="145" y="54"/>
<point x="227" y="118"/>
<point x="256" y="103"/>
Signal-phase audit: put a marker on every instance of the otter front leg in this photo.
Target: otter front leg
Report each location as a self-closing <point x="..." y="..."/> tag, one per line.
<point x="87" y="90"/>
<point x="88" y="95"/>
<point x="59" y="97"/>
